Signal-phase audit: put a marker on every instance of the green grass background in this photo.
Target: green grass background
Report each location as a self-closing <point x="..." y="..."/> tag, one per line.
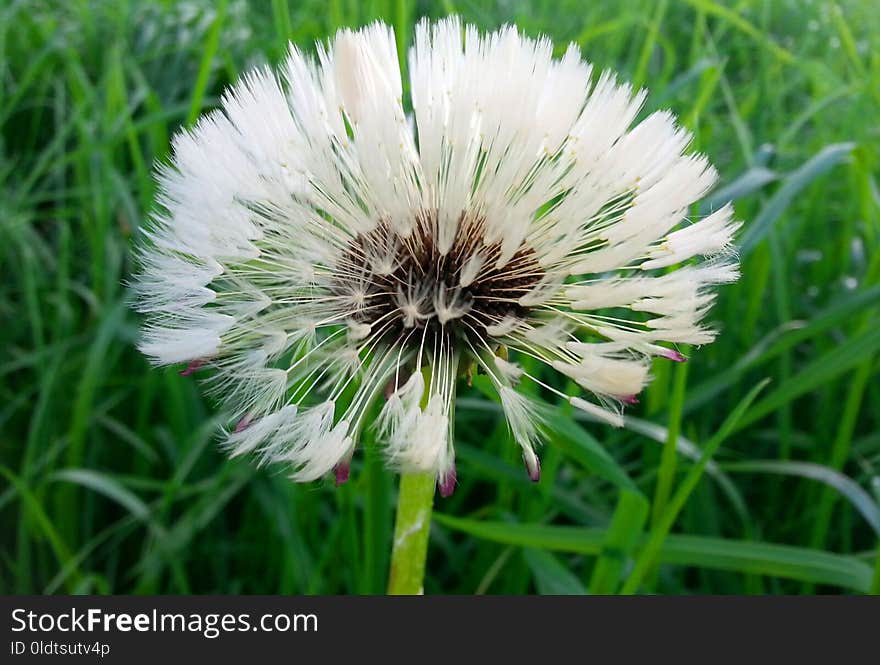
<point x="110" y="477"/>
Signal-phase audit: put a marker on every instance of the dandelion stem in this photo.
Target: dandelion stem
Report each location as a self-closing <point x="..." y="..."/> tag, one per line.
<point x="414" y="505"/>
<point x="415" y="501"/>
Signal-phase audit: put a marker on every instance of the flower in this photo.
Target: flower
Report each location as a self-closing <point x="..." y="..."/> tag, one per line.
<point x="319" y="250"/>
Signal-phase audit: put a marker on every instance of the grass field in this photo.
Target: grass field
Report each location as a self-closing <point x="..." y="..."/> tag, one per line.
<point x="110" y="477"/>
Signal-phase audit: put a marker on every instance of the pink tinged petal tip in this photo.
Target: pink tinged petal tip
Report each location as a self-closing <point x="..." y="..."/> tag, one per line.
<point x="534" y="470"/>
<point x="244" y="423"/>
<point x="447" y="483"/>
<point x="342" y="472"/>
<point x="630" y="399"/>
<point x="193" y="367"/>
<point x="675" y="356"/>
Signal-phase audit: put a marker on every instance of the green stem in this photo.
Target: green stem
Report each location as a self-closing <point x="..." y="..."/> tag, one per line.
<point x="414" y="504"/>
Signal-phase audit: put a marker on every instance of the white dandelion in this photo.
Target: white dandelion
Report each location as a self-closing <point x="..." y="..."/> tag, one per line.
<point x="319" y="250"/>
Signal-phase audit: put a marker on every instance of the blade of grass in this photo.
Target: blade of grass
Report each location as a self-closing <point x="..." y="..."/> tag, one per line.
<point x="649" y="555"/>
<point x="784" y="561"/>
<point x="551" y="576"/>
<point x="842" y="484"/>
<point x="731" y="17"/>
<point x="107" y="486"/>
<point x="875" y="582"/>
<point x="204" y="74"/>
<point x="781" y="339"/>
<point x="378" y="519"/>
<point x="691" y="451"/>
<point x="622" y="536"/>
<point x="828" y="366"/>
<point x="574" y="441"/>
<point x="41" y="520"/>
<point x="749" y="182"/>
<point x="792" y="184"/>
<point x="666" y="471"/>
<point x="648" y="45"/>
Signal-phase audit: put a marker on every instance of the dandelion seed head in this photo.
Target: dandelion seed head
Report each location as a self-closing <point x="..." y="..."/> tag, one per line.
<point x="331" y="264"/>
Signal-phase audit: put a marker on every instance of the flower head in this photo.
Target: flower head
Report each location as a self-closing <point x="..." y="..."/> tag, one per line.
<point x="317" y="250"/>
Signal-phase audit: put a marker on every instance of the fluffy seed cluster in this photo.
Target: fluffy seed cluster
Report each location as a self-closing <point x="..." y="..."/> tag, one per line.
<point x="320" y="251"/>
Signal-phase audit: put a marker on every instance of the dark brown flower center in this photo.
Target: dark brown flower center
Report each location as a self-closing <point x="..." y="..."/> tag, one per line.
<point x="400" y="285"/>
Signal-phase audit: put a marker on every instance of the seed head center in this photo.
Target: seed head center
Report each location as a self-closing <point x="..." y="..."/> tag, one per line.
<point x="398" y="284"/>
